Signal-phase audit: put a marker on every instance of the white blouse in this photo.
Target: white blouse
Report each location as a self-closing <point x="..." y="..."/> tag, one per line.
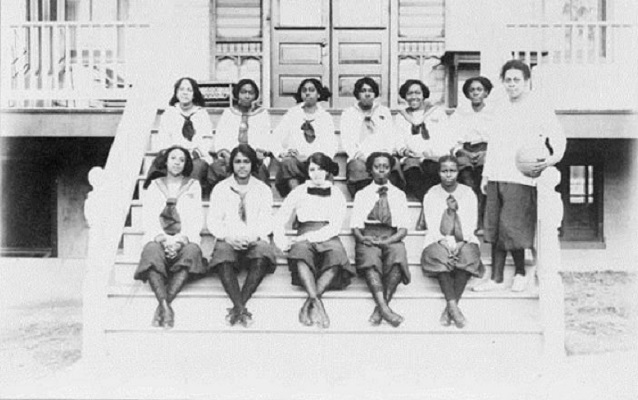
<point x="366" y="198"/>
<point x="469" y="126"/>
<point x="356" y="138"/>
<point x="223" y="215"/>
<point x="170" y="131"/>
<point x="289" y="134"/>
<point x="435" y="203"/>
<point x="259" y="135"/>
<point x="529" y="122"/>
<point x="189" y="208"/>
<point x="309" y="208"/>
<point x="435" y="120"/>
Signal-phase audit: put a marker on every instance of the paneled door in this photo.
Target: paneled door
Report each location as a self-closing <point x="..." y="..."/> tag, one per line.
<point x="337" y="41"/>
<point x="301" y="33"/>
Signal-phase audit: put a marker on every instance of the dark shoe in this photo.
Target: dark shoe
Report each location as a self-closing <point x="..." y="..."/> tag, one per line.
<point x="445" y="319"/>
<point x="456" y="314"/>
<point x="245" y="318"/>
<point x="169" y="316"/>
<point x="158" y="317"/>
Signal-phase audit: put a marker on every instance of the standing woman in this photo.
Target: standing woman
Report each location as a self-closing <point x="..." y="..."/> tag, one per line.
<point x="172" y="217"/>
<point x="316" y="257"/>
<point x="451" y="251"/>
<point x="241" y="221"/>
<point x="245" y="122"/>
<point x="186" y="123"/>
<point x="379" y="223"/>
<point x="526" y="140"/>
<point x="423" y="126"/>
<point x="471" y="127"/>
<point x="367" y="127"/>
<point x="305" y="129"/>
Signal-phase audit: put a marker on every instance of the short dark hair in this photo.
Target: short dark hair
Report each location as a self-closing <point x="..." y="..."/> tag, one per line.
<point x="324" y="162"/>
<point x="247" y="151"/>
<point x="487" y="85"/>
<point x="448" y="158"/>
<point x="158" y="168"/>
<point x="198" y="98"/>
<point x="242" y="82"/>
<point x="366" y="80"/>
<point x="403" y="90"/>
<point x="377" y="154"/>
<point x="516" y="64"/>
<point x="324" y="92"/>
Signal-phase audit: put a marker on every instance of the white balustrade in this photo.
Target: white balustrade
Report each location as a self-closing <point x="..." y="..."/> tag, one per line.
<point x="69" y="64"/>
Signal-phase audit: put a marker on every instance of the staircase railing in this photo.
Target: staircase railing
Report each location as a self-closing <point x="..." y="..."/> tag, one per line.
<point x="548" y="264"/>
<point x="113" y="187"/>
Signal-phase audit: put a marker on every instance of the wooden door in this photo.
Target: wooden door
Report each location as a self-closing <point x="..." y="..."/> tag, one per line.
<point x="300" y="37"/>
<point x="360" y="37"/>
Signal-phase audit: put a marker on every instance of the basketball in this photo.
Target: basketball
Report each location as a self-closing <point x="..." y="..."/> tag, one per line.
<point x="527" y="156"/>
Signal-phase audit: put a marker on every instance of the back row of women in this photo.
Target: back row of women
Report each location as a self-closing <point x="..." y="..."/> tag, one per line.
<point x="524" y="138"/>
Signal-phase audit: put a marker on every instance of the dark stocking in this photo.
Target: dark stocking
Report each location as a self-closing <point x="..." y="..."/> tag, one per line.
<point x="307" y="279"/>
<point x="176" y="284"/>
<point x="158" y="285"/>
<point x="255" y="275"/>
<point x="519" y="261"/>
<point x="228" y="276"/>
<point x="373" y="279"/>
<point x="446" y="281"/>
<point x="498" y="263"/>
<point x="460" y="281"/>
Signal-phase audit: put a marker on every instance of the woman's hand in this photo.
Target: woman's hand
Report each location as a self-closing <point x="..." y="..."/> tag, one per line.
<point x="172" y="249"/>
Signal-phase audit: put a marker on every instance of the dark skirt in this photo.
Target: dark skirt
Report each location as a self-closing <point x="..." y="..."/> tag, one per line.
<point x="321" y="257"/>
<point x="435" y="256"/>
<point x="224" y="253"/>
<point x="382" y="259"/>
<point x="510" y="215"/>
<point x="189" y="257"/>
<point x="289" y="168"/>
<point x="358" y="177"/>
<point x="420" y="176"/>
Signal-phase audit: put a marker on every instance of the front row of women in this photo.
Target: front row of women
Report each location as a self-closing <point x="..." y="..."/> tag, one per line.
<point x="240" y="219"/>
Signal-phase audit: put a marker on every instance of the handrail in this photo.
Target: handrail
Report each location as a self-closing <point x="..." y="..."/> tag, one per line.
<point x="548" y="265"/>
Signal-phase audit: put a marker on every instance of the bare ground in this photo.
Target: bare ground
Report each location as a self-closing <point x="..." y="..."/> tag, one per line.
<point x="600" y="315"/>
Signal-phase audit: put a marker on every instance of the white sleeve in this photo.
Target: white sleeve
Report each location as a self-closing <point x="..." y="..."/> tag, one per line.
<point x="152" y="200"/>
<point x="358" y="216"/>
<point x="265" y="217"/>
<point x="349" y="131"/>
<point x="283" y="215"/>
<point x="329" y="144"/>
<point x="193" y="217"/>
<point x="216" y="212"/>
<point x="432" y="211"/>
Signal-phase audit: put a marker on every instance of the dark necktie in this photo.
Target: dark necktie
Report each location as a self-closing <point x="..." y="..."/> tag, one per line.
<point x="169" y="218"/>
<point x="242" y="204"/>
<point x="188" y="131"/>
<point x="422" y="130"/>
<point x="381" y="210"/>
<point x="242" y="137"/>
<point x="318" y="191"/>
<point x="450" y="222"/>
<point x="308" y="131"/>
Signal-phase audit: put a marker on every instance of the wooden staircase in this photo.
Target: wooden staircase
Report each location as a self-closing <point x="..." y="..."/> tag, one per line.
<point x="506" y="336"/>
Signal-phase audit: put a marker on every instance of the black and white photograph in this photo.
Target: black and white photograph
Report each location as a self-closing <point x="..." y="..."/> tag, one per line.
<point x="319" y="199"/>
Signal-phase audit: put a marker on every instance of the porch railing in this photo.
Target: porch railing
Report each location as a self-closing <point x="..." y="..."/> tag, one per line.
<point x="69" y="64"/>
<point x="594" y="62"/>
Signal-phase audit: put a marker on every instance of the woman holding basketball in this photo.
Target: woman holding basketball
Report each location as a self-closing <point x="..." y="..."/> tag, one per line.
<point x="526" y="140"/>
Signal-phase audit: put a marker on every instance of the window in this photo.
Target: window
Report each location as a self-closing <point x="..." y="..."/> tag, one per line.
<point x="581" y="190"/>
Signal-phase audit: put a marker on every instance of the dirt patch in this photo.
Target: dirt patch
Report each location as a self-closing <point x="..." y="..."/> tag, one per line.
<point x="39" y="340"/>
<point x="600" y="311"/>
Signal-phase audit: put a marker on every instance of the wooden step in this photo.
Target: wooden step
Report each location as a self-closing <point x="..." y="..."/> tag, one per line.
<point x="279" y="282"/>
<point x="414" y="211"/>
<point x="517" y="314"/>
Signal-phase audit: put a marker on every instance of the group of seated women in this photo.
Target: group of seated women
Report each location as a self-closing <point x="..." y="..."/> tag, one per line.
<point x="382" y="165"/>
